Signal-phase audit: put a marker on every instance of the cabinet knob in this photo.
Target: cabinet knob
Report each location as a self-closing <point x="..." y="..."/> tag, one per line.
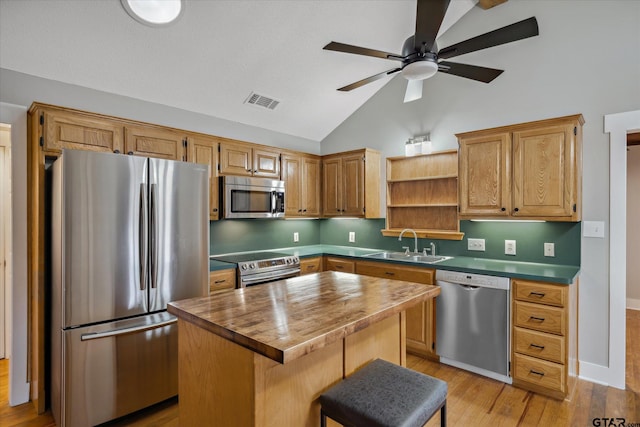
<point x="116" y="151"/>
<point x="255" y="171"/>
<point x="299" y="210"/>
<point x="130" y="153"/>
<point x="304" y="210"/>
<point x="516" y="210"/>
<point x="215" y="210"/>
<point x="503" y="209"/>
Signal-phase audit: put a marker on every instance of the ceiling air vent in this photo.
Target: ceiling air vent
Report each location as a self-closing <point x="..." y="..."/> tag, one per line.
<point x="261" y="101"/>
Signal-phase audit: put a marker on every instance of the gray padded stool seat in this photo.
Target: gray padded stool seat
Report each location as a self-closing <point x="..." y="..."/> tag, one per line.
<point x="383" y="394"/>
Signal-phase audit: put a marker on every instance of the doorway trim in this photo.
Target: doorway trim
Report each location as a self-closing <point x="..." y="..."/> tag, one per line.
<point x="617" y="125"/>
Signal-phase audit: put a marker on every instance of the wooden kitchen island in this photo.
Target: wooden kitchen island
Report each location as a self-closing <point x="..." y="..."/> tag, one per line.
<point x="261" y="356"/>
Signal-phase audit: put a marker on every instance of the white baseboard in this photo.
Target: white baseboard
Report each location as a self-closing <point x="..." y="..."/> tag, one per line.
<point x="633" y="304"/>
<point x="595" y="373"/>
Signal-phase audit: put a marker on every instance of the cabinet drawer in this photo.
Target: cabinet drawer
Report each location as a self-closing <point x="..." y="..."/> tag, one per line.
<point x="339" y="264"/>
<point x="539" y="344"/>
<point x="539" y="372"/>
<point x="222" y="279"/>
<point x="540" y="317"/>
<point x="391" y="271"/>
<point x="542" y="293"/>
<point x="310" y="265"/>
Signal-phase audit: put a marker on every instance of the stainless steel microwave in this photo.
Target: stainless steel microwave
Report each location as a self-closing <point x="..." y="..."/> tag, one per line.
<point x="252" y="197"/>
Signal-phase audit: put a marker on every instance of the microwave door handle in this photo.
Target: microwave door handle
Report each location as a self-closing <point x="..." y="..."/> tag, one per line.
<point x="274" y="201"/>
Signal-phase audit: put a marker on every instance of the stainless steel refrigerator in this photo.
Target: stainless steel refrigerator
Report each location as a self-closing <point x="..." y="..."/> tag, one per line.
<point x="129" y="234"/>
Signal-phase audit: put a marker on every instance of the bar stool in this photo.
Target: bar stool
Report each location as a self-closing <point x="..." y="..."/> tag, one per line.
<point x="383" y="394"/>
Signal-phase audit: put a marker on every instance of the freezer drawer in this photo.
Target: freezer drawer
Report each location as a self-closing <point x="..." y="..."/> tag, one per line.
<point x="117" y="368"/>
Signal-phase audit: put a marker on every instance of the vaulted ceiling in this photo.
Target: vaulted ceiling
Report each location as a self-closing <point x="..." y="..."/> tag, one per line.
<point x="217" y="54"/>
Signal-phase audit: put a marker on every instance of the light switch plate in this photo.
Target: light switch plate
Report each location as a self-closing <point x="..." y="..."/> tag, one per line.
<point x="296" y="237"/>
<point x="593" y="229"/>
<point x="509" y="247"/>
<point x="352" y="236"/>
<point x="475" y="244"/>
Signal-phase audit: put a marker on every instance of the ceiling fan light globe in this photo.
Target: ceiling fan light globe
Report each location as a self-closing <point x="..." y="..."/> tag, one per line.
<point x="420" y="70"/>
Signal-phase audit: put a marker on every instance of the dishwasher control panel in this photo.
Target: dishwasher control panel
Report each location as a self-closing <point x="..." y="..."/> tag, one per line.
<point x="473" y="279"/>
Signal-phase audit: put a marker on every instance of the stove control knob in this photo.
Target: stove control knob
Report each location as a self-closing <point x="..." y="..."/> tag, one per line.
<point x="252" y="265"/>
<point x="295" y="259"/>
<point x="289" y="260"/>
<point x="244" y="266"/>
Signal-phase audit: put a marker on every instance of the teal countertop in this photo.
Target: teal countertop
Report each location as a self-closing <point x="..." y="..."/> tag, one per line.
<point x="215" y="265"/>
<point x="562" y="274"/>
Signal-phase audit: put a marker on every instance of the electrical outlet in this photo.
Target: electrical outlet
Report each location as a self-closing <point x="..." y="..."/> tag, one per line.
<point x="509" y="247"/>
<point x="475" y="244"/>
<point x="352" y="236"/>
<point x="549" y="249"/>
<point x="296" y="237"/>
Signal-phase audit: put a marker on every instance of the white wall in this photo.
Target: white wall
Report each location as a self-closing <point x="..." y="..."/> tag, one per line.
<point x="633" y="227"/>
<point x="16" y="116"/>
<point x="585" y="60"/>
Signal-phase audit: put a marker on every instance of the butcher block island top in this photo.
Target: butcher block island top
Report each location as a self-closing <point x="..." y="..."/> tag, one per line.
<point x="291" y="318"/>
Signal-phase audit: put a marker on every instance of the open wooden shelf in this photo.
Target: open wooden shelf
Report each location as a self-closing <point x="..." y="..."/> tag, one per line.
<point x="422" y="194"/>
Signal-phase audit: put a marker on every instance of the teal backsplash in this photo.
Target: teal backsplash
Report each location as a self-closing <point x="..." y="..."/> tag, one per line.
<point x="250" y="235"/>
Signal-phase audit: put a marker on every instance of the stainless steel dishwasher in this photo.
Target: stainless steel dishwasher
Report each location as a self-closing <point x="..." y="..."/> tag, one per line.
<point x="472" y="323"/>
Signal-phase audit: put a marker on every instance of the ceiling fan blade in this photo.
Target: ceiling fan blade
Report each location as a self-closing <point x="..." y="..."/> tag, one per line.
<point x="347" y="48"/>
<point x="368" y="80"/>
<point x="473" y="72"/>
<point x="414" y="90"/>
<point x="510" y="33"/>
<point x="429" y="16"/>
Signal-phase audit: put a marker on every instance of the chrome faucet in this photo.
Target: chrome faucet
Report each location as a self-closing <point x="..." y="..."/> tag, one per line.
<point x="415" y="238"/>
<point x="432" y="249"/>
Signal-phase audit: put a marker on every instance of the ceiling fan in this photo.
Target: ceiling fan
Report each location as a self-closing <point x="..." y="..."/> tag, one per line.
<point x="421" y="57"/>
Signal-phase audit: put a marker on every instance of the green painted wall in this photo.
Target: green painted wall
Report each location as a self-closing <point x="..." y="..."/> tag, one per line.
<point x="529" y="236"/>
<point x="251" y="235"/>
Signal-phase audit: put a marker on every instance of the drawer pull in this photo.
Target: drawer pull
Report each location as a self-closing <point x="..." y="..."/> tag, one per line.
<point x="531" y="371"/>
<point x="539" y="347"/>
<point x="537" y="294"/>
<point x="536" y="319"/>
<point x="389" y="273"/>
<point x="310" y="267"/>
<point x="339" y="267"/>
<point x="220" y="281"/>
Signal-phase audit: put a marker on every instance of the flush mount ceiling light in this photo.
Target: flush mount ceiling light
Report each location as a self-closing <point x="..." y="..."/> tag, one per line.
<point x="154" y="13"/>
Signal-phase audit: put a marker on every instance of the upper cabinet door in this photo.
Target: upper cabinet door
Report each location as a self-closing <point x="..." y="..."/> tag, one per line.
<point x="311" y="178"/>
<point x="204" y="150"/>
<point x="266" y="163"/>
<point x="543" y="172"/>
<point x="484" y="175"/>
<point x="292" y="177"/>
<point x="235" y="159"/>
<point x="353" y="185"/>
<point x="332" y="187"/>
<point x="154" y="142"/>
<point x="72" y="130"/>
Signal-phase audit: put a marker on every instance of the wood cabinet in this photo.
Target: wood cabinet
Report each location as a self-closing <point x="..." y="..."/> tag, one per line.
<point x="310" y="265"/>
<point x="525" y="171"/>
<point x="221" y="280"/>
<point x="152" y="141"/>
<point x="421" y="319"/>
<point x="422" y="194"/>
<point x="302" y="176"/>
<point x="63" y="128"/>
<point x="242" y="159"/>
<point x="204" y="149"/>
<point x="339" y="264"/>
<point x="544" y="337"/>
<point x="351" y="184"/>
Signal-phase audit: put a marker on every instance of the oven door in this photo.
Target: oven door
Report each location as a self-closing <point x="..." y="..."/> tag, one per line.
<point x="271" y="276"/>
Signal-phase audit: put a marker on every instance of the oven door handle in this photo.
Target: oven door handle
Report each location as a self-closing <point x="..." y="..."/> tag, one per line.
<point x="257" y="279"/>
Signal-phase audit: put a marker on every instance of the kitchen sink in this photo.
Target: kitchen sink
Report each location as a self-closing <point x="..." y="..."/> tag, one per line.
<point x="411" y="257"/>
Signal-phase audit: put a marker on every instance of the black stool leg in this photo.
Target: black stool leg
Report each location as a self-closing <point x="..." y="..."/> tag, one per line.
<point x="443" y="415"/>
<point x="323" y="419"/>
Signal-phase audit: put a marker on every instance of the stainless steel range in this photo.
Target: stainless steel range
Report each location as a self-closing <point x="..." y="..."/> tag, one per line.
<point x="261" y="267"/>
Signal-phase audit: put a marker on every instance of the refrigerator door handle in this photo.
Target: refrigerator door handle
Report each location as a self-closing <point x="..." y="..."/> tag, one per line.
<point x="142" y="235"/>
<point x="153" y="240"/>
<point x="116" y="332"/>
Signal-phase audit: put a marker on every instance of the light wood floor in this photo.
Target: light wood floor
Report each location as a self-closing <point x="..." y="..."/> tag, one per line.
<point x="472" y="400"/>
